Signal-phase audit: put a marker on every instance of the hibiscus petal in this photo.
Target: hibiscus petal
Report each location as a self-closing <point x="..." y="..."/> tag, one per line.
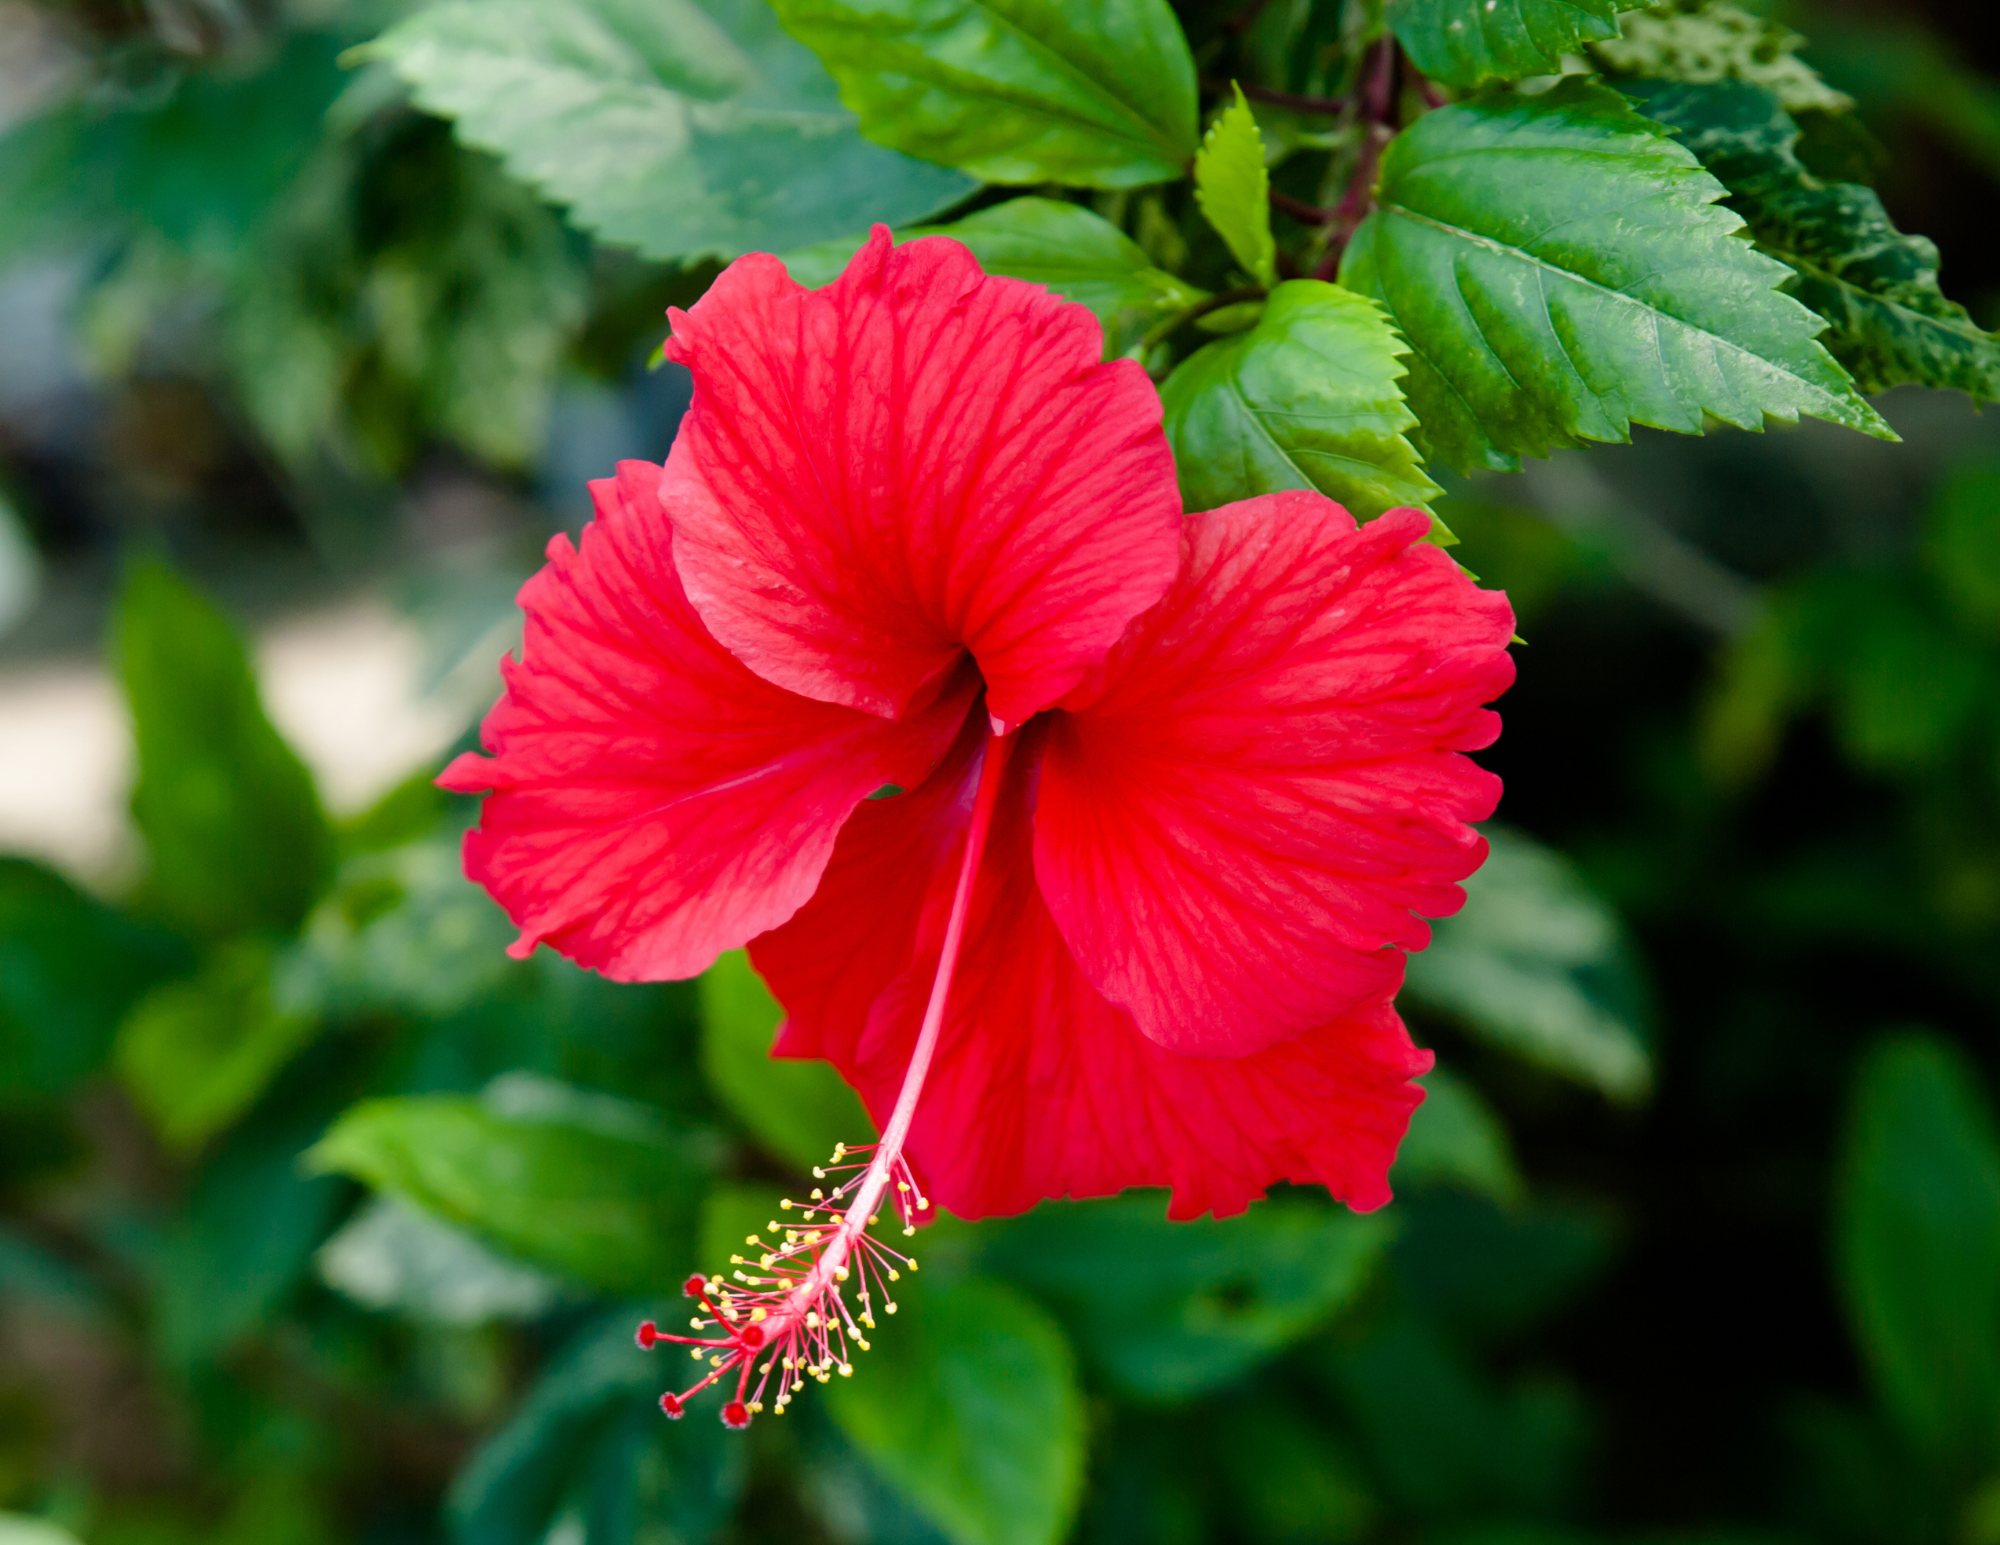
<point x="1040" y="1088"/>
<point x="1241" y="814"/>
<point x="916" y="460"/>
<point x="652" y="802"/>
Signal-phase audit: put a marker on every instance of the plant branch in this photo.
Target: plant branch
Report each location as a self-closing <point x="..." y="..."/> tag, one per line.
<point x="1161" y="331"/>
<point x="1299" y="209"/>
<point x="1330" y="107"/>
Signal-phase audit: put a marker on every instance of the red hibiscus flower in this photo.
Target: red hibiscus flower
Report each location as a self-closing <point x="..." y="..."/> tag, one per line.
<point x="1170" y="796"/>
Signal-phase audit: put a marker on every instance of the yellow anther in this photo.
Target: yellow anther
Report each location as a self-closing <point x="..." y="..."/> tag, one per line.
<point x="785" y="1205"/>
<point x="766" y="1261"/>
<point x="895" y="1275"/>
<point x="752" y="1240"/>
<point x="913" y="1263"/>
<point x="841" y="1275"/>
<point x="863" y="1345"/>
<point x="812" y="1319"/>
<point x="847" y="1370"/>
<point x="902" y="1185"/>
<point x="839" y="1152"/>
<point x="890" y="1307"/>
<point x="818" y="1174"/>
<point x="757" y="1313"/>
<point x="696" y="1322"/>
<point x="696" y="1353"/>
<point x="909" y="1228"/>
<point x="818" y="1194"/>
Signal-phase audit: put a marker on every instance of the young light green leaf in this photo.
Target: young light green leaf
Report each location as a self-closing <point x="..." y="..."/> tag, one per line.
<point x="20" y="1529"/>
<point x="394" y="1256"/>
<point x="679" y="128"/>
<point x="1018" y="91"/>
<point x="1234" y="190"/>
<point x="1456" y="1140"/>
<point x="1891" y="323"/>
<point x="1561" y="272"/>
<point x="968" y="1404"/>
<point x="195" y="1055"/>
<point x="1079" y="255"/>
<point x="1917" y="1239"/>
<point x="1538" y="964"/>
<point x="1169" y="1310"/>
<point x="798" y="1110"/>
<point x="593" y="1186"/>
<point x="1701" y="41"/>
<point x="235" y="834"/>
<point x="1308" y="398"/>
<point x="1464" y="42"/>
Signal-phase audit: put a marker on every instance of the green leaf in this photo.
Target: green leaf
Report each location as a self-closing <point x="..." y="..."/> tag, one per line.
<point x="730" y="1214"/>
<point x="195" y="1055"/>
<point x="969" y="1406"/>
<point x="1962" y="543"/>
<point x="1699" y="41"/>
<point x="679" y="128"/>
<point x="245" y="1238"/>
<point x="1891" y="323"/>
<point x="588" y="1457"/>
<point x="593" y="1186"/>
<point x="796" y="1109"/>
<point x="1561" y="273"/>
<point x="394" y="1256"/>
<point x="1455" y="1139"/>
<point x="1490" y="1273"/>
<point x="1308" y="398"/>
<point x="1079" y="255"/>
<point x="1464" y="42"/>
<point x="18" y="1529"/>
<point x="235" y="834"/>
<point x="70" y="967"/>
<point x="1917" y="1241"/>
<point x="1020" y="91"/>
<point x="1234" y="190"/>
<point x="1169" y="1310"/>
<point x="1538" y="965"/>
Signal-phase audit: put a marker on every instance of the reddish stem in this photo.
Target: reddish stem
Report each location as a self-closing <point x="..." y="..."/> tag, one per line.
<point x="1377" y="101"/>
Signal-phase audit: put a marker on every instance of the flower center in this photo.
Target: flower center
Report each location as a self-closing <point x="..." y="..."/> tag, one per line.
<point x="788" y="1304"/>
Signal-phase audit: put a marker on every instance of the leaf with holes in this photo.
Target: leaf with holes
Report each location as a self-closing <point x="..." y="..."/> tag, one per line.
<point x="1096" y="96"/>
<point x="1464" y="42"/>
<point x="1308" y="398"/>
<point x="1561" y="272"/>
<point x="1892" y="324"/>
<point x="678" y="128"/>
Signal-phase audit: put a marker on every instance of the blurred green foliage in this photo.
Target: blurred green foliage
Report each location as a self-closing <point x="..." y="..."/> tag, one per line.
<point x="322" y="1220"/>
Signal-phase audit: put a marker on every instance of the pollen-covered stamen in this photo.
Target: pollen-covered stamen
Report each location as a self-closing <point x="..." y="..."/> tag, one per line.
<point x="788" y="1300"/>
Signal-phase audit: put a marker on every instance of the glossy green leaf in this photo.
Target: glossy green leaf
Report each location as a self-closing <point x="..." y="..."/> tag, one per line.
<point x="1538" y="964"/>
<point x="1456" y="1140"/>
<point x="797" y="1109"/>
<point x="70" y="967"/>
<point x="1019" y="91"/>
<point x="195" y="1055"/>
<point x="1234" y="190"/>
<point x="235" y="836"/>
<point x="1311" y="397"/>
<point x="1701" y="41"/>
<point x="679" y="128"/>
<point x="1560" y="271"/>
<point x="1464" y="42"/>
<point x="1917" y="1242"/>
<point x="588" y="1457"/>
<point x="593" y="1186"/>
<point x="394" y="1256"/>
<point x="1079" y="255"/>
<point x="1891" y="323"/>
<point x="968" y="1404"/>
<point x="1169" y="1310"/>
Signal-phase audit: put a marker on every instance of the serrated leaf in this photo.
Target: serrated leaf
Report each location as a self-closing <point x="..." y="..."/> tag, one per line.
<point x="1538" y="964"/>
<point x="236" y="838"/>
<point x="678" y="128"/>
<point x="195" y="1055"/>
<point x="1311" y="397"/>
<point x="1561" y="272"/>
<point x="797" y="1109"/>
<point x="1079" y="255"/>
<point x="1917" y="1240"/>
<point x="1891" y="323"/>
<point x="968" y="1405"/>
<point x="1016" y="91"/>
<point x="593" y="1186"/>
<point x="1691" y="40"/>
<point x="1234" y="190"/>
<point x="1169" y="1310"/>
<point x="1464" y="42"/>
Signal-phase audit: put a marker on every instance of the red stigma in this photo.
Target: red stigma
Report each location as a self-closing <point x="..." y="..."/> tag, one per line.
<point x="694" y="1285"/>
<point x="647" y="1334"/>
<point x="735" y="1414"/>
<point x="751" y="1336"/>
<point x="671" y="1404"/>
